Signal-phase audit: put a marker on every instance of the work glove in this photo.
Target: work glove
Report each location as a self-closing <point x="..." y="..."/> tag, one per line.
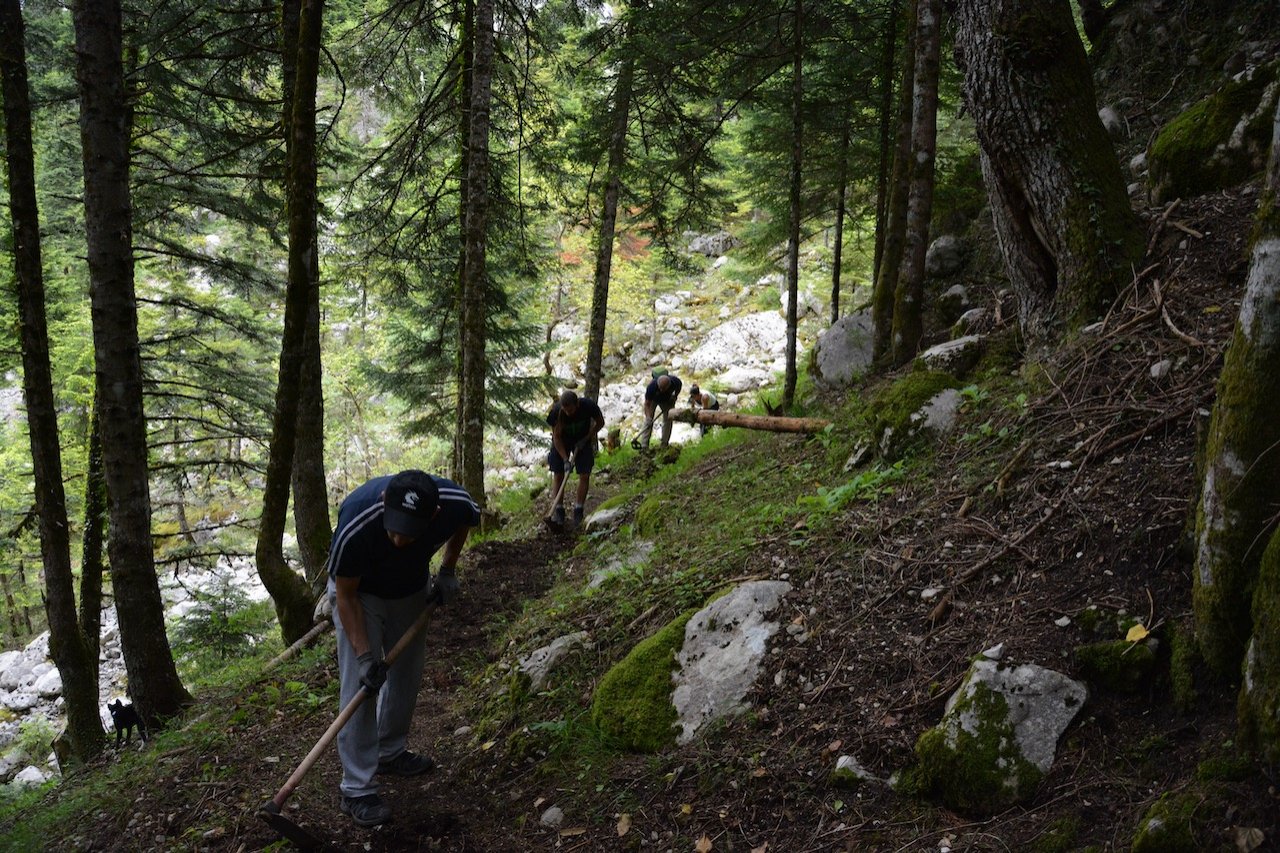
<point x="577" y="448"/>
<point x="373" y="672"/>
<point x="323" y="611"/>
<point x="444" y="586"/>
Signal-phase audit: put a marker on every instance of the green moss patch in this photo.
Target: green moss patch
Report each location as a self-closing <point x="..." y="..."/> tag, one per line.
<point x="891" y="407"/>
<point x="1259" y="702"/>
<point x="633" y="702"/>
<point x="1168" y="826"/>
<point x="1191" y="155"/>
<point x="1118" y="666"/>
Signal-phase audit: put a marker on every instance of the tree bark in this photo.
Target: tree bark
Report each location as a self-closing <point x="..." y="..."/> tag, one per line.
<point x="92" y="567"/>
<point x="289" y="593"/>
<point x="890" y="46"/>
<point x="770" y="423"/>
<point x="310" y="496"/>
<point x="908" y="301"/>
<point x="608" y="227"/>
<point x="475" y="237"/>
<point x="895" y="220"/>
<point x="1061" y="210"/>
<point x="466" y="56"/>
<point x="72" y="651"/>
<point x="104" y="135"/>
<point x="794" y="201"/>
<point x="1236" y="514"/>
<point x="842" y="188"/>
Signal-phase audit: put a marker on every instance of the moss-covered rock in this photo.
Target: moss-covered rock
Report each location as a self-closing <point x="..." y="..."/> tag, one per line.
<point x="649" y="516"/>
<point x="1259" y="705"/>
<point x="1168" y="826"/>
<point x="1217" y="142"/>
<point x="1182" y="657"/>
<point x="633" y="701"/>
<point x="1119" y="665"/>
<point x="998" y="737"/>
<point x="888" y="413"/>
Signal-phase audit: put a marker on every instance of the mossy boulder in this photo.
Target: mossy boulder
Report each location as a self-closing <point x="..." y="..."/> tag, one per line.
<point x="1217" y="142"/>
<point x="1259" y="704"/>
<point x="633" y="702"/>
<point x="889" y="412"/>
<point x="1118" y="666"/>
<point x="998" y="737"/>
<point x="1168" y="826"/>
<point x="650" y="516"/>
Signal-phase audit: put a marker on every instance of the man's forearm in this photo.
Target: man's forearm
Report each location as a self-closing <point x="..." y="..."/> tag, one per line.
<point x="351" y="614"/>
<point x="453" y="549"/>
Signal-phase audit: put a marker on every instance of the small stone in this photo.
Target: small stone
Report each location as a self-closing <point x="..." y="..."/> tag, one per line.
<point x="462" y="731"/>
<point x="930" y="593"/>
<point x="552" y="817"/>
<point x="1063" y="622"/>
<point x="995" y="652"/>
<point x="1161" y="369"/>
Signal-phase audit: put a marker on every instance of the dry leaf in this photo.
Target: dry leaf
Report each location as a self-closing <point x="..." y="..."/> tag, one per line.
<point x="1248" y="838"/>
<point x="704" y="845"/>
<point x="686" y="808"/>
<point x="539" y="801"/>
<point x="758" y="772"/>
<point x="488" y="745"/>
<point x="835" y="745"/>
<point x="890" y="720"/>
<point x="569" y="833"/>
<point x="1136" y="633"/>
<point x="763" y="848"/>
<point x="624" y="824"/>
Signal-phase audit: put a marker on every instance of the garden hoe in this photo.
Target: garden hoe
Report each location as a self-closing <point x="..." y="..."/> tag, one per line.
<point x="554" y="525"/>
<point x="272" y="811"/>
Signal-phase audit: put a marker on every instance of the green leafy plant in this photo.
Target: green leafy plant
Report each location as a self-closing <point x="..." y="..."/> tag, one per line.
<point x="867" y="485"/>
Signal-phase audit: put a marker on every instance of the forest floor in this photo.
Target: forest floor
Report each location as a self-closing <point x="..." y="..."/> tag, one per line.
<point x="1081" y="520"/>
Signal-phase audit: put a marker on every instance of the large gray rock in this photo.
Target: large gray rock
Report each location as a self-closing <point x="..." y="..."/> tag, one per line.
<point x="737" y="341"/>
<point x="945" y="256"/>
<point x="720" y="659"/>
<point x="740" y="379"/>
<point x="712" y="245"/>
<point x="843" y="353"/>
<point x="956" y="357"/>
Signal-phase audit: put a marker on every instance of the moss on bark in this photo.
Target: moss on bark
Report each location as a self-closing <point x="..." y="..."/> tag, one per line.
<point x="1259" y="705"/>
<point x="1168" y="826"/>
<point x="1119" y="666"/>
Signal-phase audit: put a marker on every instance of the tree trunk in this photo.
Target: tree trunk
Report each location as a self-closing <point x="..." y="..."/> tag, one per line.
<point x="793" y="229"/>
<point x="908" y="300"/>
<point x="310" y="495"/>
<point x="890" y="46"/>
<point x="608" y="227"/>
<point x="770" y="423"/>
<point x="289" y="592"/>
<point x="466" y="55"/>
<point x="895" y="223"/>
<point x="104" y="134"/>
<point x="1058" y="198"/>
<point x="475" y="236"/>
<point x="1242" y="466"/>
<point x="841" y="190"/>
<point x="76" y="659"/>
<point x="92" y="567"/>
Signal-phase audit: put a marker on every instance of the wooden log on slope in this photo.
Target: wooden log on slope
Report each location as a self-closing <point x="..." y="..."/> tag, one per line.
<point x="772" y="423"/>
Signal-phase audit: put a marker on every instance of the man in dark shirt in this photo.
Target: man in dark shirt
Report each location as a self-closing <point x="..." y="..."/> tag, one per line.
<point x="575" y="425"/>
<point x="661" y="393"/>
<point x="379" y="582"/>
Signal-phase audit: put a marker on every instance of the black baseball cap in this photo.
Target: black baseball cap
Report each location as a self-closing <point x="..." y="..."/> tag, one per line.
<point x="410" y="503"/>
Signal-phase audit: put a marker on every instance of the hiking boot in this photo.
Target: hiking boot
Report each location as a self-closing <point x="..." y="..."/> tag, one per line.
<point x="557" y="516"/>
<point x="407" y="764"/>
<point x="368" y="810"/>
<point x="577" y="516"/>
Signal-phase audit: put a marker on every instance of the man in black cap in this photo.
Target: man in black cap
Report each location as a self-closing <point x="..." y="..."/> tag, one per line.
<point x="379" y="582"/>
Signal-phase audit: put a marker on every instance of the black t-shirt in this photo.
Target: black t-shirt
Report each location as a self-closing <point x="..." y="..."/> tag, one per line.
<point x="578" y="425"/>
<point x="652" y="392"/>
<point x="361" y="547"/>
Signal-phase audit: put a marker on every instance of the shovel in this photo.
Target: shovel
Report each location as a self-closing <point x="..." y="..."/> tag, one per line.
<point x="272" y="810"/>
<point x="553" y="525"/>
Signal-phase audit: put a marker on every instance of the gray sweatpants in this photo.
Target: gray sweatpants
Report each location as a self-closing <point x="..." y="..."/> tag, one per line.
<point x="378" y="731"/>
<point x="646" y="431"/>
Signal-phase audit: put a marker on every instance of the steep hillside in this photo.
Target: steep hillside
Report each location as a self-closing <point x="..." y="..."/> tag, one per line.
<point x="1048" y="522"/>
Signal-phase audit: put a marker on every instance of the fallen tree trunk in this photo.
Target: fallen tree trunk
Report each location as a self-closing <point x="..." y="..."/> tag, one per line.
<point x="772" y="423"/>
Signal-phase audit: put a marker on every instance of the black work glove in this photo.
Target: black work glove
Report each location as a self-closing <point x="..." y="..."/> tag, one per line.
<point x="444" y="586"/>
<point x="373" y="672"/>
<point x="577" y="448"/>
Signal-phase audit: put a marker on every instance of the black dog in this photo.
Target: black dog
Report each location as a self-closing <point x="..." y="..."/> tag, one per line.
<point x="124" y="718"/>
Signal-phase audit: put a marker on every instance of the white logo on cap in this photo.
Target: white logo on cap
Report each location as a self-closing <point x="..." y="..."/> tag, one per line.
<point x="411" y="500"/>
